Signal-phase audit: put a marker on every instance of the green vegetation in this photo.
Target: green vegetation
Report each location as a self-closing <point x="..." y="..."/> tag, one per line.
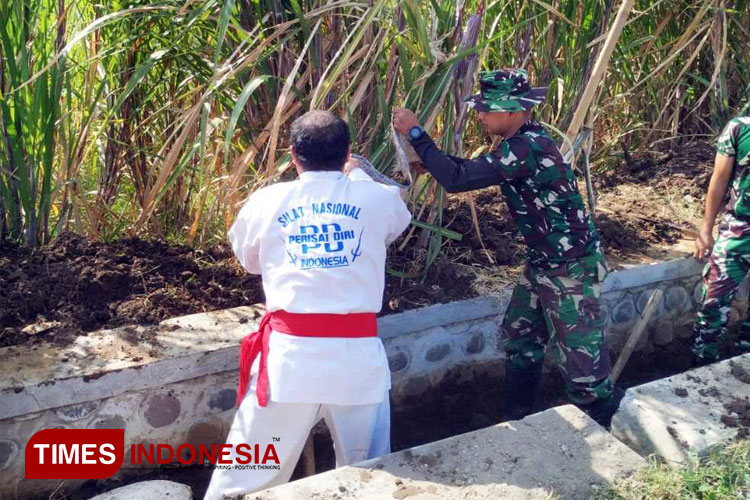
<point x="723" y="475"/>
<point x="157" y="118"/>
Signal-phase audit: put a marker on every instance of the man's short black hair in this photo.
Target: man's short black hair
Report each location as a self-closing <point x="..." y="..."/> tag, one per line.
<point x="320" y="141"/>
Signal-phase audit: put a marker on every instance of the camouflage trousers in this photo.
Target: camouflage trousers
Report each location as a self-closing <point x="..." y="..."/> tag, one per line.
<point x="561" y="306"/>
<point x="722" y="275"/>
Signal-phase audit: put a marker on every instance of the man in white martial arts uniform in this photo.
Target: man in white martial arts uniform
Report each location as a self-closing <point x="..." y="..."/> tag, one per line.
<point x="319" y="243"/>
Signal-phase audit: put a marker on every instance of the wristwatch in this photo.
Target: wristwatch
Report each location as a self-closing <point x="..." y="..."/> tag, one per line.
<point x="416" y="132"/>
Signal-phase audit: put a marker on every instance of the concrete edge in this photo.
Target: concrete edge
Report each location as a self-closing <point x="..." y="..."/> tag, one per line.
<point x="652" y="273"/>
<point x="52" y="393"/>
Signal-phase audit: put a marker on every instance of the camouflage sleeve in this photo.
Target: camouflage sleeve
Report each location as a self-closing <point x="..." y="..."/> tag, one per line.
<point x="456" y="174"/>
<point x="460" y="174"/>
<point x="726" y="144"/>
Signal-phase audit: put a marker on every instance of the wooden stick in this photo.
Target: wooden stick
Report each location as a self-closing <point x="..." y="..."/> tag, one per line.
<point x="635" y="335"/>
<point x="600" y="68"/>
<point x="590" y="193"/>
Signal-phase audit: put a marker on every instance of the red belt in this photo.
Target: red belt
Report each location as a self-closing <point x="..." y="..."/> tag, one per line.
<point x="354" y="325"/>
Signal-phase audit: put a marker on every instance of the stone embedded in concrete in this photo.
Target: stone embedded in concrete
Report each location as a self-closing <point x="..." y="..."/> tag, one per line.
<point x="675" y="297"/>
<point x="77" y="412"/>
<point x="643" y="342"/>
<point x="398" y="361"/>
<point x="685" y="332"/>
<point x="663" y="332"/>
<point x="655" y="418"/>
<point x="161" y="410"/>
<point x="475" y="344"/>
<point x="223" y="400"/>
<point x="149" y="490"/>
<point x="623" y="312"/>
<point x="415" y="386"/>
<point x="206" y="433"/>
<point x="8" y="453"/>
<point x="643" y="300"/>
<point x="437" y="352"/>
<point x="698" y="292"/>
<point x="109" y="422"/>
<point x="560" y="451"/>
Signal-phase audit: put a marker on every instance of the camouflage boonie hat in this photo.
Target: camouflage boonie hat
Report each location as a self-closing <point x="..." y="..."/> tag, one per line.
<point x="506" y="90"/>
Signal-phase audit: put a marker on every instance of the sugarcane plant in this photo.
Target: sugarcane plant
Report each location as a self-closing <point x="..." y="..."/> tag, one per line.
<point x="158" y="118"/>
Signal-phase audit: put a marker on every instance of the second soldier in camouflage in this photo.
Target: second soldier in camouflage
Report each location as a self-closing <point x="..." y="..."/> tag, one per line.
<point x="729" y="260"/>
<point x="557" y="298"/>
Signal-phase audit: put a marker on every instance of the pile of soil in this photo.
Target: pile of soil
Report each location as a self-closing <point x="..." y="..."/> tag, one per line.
<point x="76" y="285"/>
<point x="687" y="167"/>
<point x="653" y="197"/>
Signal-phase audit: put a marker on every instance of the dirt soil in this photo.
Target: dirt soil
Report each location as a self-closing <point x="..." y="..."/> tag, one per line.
<point x="75" y="285"/>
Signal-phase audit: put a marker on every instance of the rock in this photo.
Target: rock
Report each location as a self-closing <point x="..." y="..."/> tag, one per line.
<point x="663" y="332"/>
<point x="149" y="490"/>
<point x="40" y="327"/>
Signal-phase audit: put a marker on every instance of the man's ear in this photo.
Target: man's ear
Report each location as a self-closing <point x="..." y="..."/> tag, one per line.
<point x="295" y="162"/>
<point x="349" y="152"/>
<point x="294" y="158"/>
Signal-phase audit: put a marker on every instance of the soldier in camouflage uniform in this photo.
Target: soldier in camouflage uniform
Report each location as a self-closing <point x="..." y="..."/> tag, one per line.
<point x="557" y="298"/>
<point x="730" y="255"/>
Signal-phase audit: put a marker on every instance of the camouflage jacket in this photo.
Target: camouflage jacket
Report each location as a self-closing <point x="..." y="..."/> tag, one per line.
<point x="734" y="142"/>
<point x="539" y="188"/>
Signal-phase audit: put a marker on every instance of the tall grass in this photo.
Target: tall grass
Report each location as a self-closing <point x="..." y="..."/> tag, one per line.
<point x="158" y="118"/>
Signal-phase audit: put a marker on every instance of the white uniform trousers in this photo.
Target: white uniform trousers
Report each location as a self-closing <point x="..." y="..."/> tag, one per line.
<point x="359" y="432"/>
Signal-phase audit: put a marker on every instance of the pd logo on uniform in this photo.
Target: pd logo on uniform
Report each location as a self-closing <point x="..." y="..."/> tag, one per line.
<point x="75" y="453"/>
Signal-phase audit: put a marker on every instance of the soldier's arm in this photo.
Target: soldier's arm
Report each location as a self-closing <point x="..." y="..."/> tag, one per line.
<point x="460" y="174"/>
<point x="717" y="189"/>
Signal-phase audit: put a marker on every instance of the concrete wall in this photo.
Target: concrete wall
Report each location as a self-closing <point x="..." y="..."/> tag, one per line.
<point x="175" y="383"/>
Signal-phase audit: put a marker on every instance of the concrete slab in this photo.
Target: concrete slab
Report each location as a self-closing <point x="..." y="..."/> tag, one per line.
<point x="692" y="411"/>
<point x="149" y="490"/>
<point x="560" y="450"/>
<point x="101" y="364"/>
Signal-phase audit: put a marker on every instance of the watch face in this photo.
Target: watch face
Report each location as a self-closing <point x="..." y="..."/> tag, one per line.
<point x="415" y="132"/>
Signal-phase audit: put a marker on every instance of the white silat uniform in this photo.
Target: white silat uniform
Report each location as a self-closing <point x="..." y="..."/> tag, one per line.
<point x="319" y="243"/>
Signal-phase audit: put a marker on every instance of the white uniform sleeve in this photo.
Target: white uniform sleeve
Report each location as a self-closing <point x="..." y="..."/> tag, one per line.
<point x="359" y="175"/>
<point x="245" y="237"/>
<point x="400" y="216"/>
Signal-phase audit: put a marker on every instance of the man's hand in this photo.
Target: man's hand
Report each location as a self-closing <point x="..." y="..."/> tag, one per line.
<point x="350" y="165"/>
<point x="704" y="243"/>
<point x="403" y="120"/>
